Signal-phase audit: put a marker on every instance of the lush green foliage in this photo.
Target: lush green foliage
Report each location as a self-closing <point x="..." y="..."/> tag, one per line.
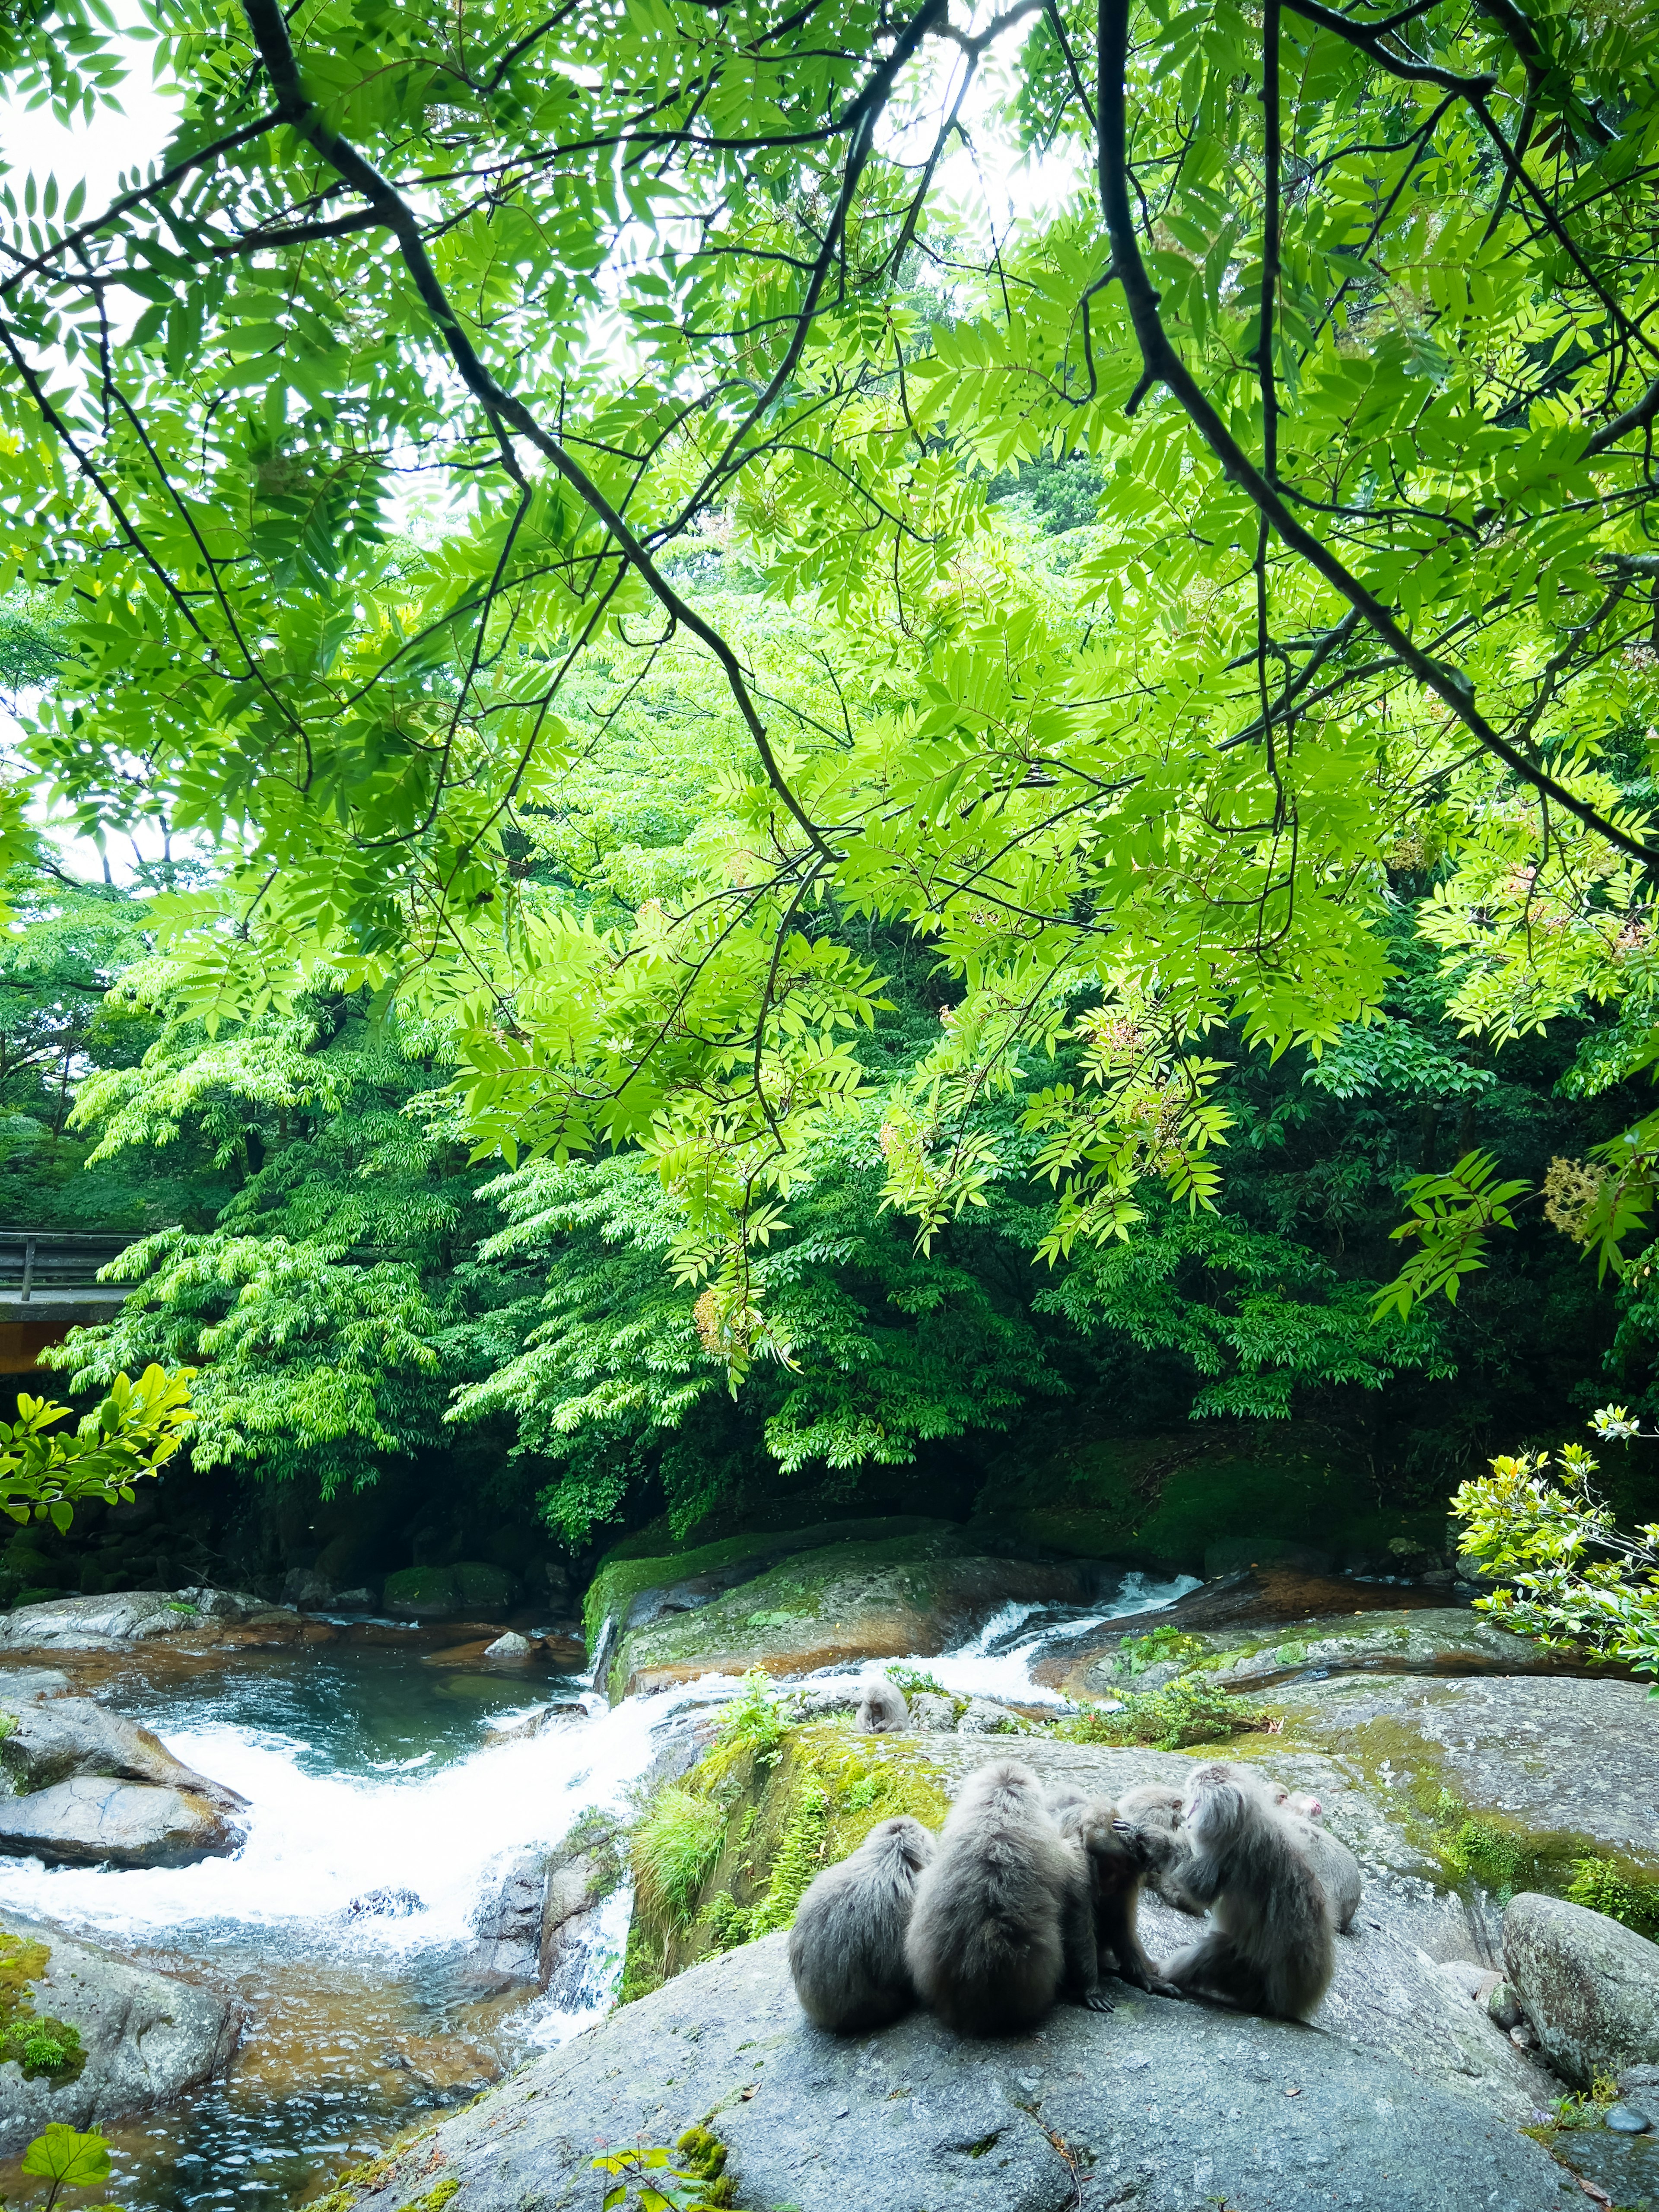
<point x="1572" y="1576"/>
<point x="862" y="759"/>
<point x="133" y="1433"/>
<point x="1362" y="364"/>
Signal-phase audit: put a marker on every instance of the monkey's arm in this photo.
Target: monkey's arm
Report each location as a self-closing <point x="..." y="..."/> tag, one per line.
<point x="1114" y="1923"/>
<point x="1082" y="1950"/>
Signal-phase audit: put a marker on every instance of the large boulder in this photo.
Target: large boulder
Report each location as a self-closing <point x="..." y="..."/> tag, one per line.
<point x="587" y="1867"/>
<point x="1163" y="2106"/>
<point x="1588" y="1985"/>
<point x="92" y="1821"/>
<point x="52" y="1740"/>
<point x="81" y="1786"/>
<point x="143" y="2038"/>
<point x="103" y="1624"/>
<point x="1559" y="1765"/>
<point x="884" y="1599"/>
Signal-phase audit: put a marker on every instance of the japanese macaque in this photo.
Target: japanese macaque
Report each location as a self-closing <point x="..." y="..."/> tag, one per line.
<point x="881" y="1709"/>
<point x="1003" y="1919"/>
<point x="847" y="1947"/>
<point x="1153" y="1812"/>
<point x="1272" y="1948"/>
<point x="1118" y="1859"/>
<point x="1330" y="1859"/>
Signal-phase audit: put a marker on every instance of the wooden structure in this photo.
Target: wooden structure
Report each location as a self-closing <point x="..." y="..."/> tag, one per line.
<point x="49" y="1285"/>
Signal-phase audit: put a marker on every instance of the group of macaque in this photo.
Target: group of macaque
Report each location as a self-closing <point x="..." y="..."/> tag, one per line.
<point x="1029" y="1893"/>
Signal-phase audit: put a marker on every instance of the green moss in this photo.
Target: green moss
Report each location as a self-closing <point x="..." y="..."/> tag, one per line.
<point x="38" y="2044"/>
<point x="1135" y="1654"/>
<point x="1182" y="1713"/>
<point x="643" y="1561"/>
<point x="1626" y="1896"/>
<point x="783" y="1802"/>
<point x="436" y="2197"/>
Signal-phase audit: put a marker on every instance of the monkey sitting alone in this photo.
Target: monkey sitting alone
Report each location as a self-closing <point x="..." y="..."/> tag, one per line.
<point x="1330" y="1859"/>
<point x="1118" y="1861"/>
<point x="882" y="1708"/>
<point x="847" y="1947"/>
<point x="1272" y="1948"/>
<point x="1002" y="1919"/>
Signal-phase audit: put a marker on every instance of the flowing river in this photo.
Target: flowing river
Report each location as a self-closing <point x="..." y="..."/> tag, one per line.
<point x="371" y="1767"/>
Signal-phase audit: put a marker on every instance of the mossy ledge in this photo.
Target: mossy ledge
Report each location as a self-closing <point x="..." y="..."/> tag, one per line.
<point x="724" y="1855"/>
<point x="43" y="2047"/>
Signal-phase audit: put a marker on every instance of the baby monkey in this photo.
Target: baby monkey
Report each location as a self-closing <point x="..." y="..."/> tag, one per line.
<point x="1118" y="1860"/>
<point x="1330" y="1859"/>
<point x="1003" y="1921"/>
<point x="1272" y="1947"/>
<point x="847" y="1947"/>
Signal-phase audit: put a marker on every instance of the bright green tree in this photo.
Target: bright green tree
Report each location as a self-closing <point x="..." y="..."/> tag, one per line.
<point x="1351" y="310"/>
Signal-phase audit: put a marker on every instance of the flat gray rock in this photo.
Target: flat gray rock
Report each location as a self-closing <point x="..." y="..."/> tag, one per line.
<point x="147" y="2038"/>
<point x="1389" y="1996"/>
<point x="1162" y="2106"/>
<point x="92" y="1821"/>
<point x="1562" y="1755"/>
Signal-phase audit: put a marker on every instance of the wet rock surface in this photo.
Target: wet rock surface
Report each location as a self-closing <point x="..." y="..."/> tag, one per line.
<point x="1589" y="1988"/>
<point x="147" y="2037"/>
<point x="52" y="1740"/>
<point x="94" y="1624"/>
<point x="1161" y="2106"/>
<point x="1419" y="1638"/>
<point x="92" y="1822"/>
<point x="1390" y="1996"/>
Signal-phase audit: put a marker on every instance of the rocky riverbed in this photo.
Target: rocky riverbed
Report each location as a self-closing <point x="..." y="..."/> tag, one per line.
<point x="1461" y="1765"/>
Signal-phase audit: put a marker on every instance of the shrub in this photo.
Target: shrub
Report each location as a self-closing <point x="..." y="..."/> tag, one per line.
<point x="756" y="1722"/>
<point x="1597" y="1883"/>
<point x="1185" y="1711"/>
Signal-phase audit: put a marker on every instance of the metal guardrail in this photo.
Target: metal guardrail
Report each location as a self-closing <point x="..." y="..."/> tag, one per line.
<point x="47" y="1260"/>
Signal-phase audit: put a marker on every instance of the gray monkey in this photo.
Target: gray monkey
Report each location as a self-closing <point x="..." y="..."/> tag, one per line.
<point x="1118" y="1860"/>
<point x="881" y="1709"/>
<point x="1150" y="1813"/>
<point x="847" y="1947"/>
<point x="1003" y="1919"/>
<point x="1272" y="1948"/>
<point x="1329" y="1856"/>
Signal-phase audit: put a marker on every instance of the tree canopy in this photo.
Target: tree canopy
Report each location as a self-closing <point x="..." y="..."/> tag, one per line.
<point x="651" y="586"/>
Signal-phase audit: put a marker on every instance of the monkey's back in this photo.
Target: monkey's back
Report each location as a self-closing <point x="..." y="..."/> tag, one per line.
<point x="847" y="1947"/>
<point x="1275" y="1911"/>
<point x="984" y="1943"/>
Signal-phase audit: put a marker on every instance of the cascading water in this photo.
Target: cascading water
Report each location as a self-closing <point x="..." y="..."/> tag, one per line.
<point x="366" y="1772"/>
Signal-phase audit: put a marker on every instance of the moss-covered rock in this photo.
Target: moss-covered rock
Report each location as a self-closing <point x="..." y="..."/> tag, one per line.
<point x="1418" y="1640"/>
<point x="882" y="1600"/>
<point x="648" y="1563"/>
<point x="472" y="1590"/>
<point x="724" y="1855"/>
<point x="87" y="2038"/>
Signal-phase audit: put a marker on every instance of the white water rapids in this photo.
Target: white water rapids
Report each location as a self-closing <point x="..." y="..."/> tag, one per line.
<point x="444" y="1831"/>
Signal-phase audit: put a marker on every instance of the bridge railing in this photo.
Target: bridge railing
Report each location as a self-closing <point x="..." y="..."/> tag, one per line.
<point x="47" y="1259"/>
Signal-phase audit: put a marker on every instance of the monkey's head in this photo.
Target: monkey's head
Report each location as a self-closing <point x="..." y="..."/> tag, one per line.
<point x="1214" y="1803"/>
<point x="906" y="1839"/>
<point x="1152" y="1843"/>
<point x="1116" y="1851"/>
